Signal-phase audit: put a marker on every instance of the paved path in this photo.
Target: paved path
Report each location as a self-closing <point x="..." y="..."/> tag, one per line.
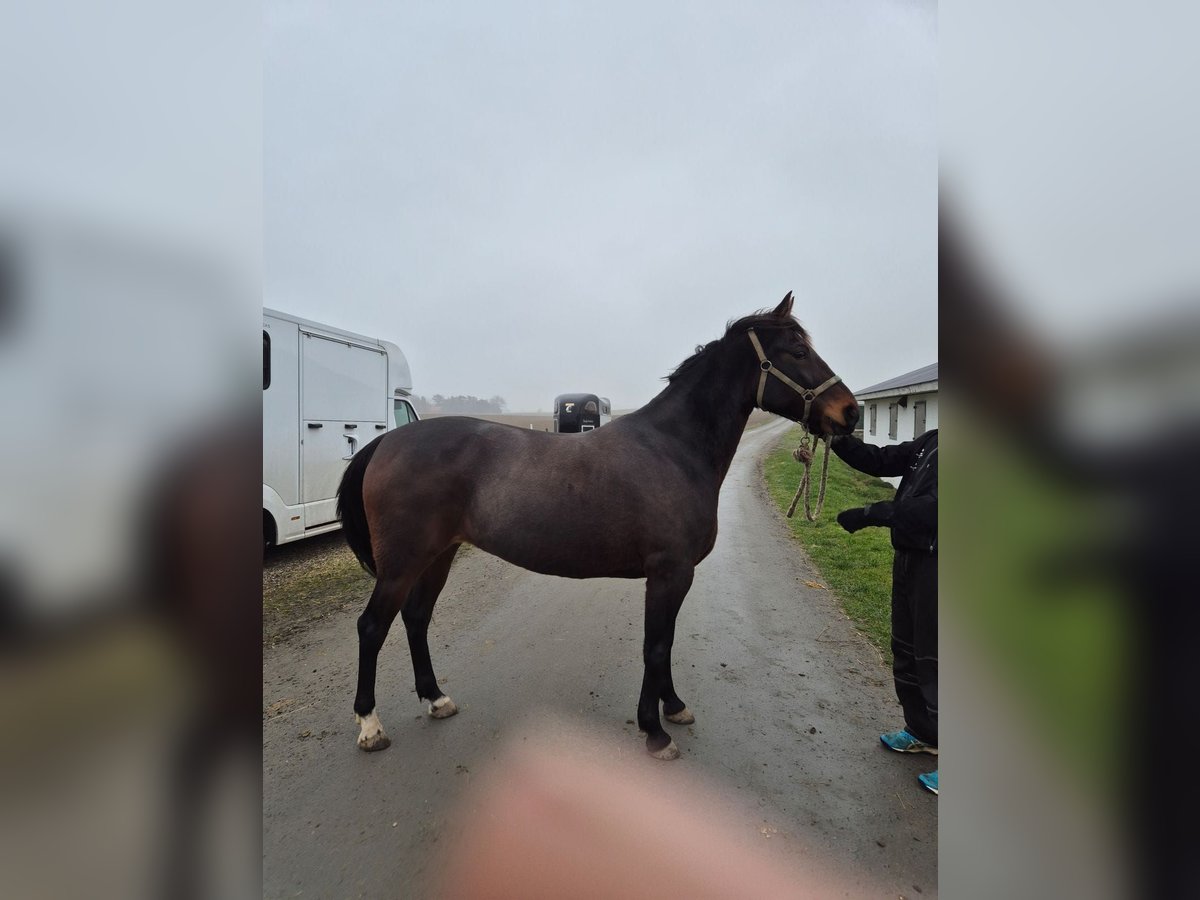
<point x="788" y="699"/>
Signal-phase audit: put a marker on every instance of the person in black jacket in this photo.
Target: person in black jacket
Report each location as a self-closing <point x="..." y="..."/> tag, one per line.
<point x="912" y="518"/>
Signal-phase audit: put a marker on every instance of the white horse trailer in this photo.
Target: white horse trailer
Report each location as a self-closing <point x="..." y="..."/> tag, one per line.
<point x="326" y="393"/>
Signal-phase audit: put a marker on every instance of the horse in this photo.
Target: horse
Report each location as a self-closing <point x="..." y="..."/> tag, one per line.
<point x="412" y="496"/>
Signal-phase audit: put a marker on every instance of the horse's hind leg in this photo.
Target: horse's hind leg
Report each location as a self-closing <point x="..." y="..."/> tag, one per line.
<point x="665" y="591"/>
<point x="417" y="612"/>
<point x="373" y="626"/>
<point x="414" y="596"/>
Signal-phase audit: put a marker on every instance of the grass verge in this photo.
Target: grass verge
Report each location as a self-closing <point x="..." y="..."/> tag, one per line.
<point x="311" y="580"/>
<point x="856" y="567"/>
<point x="308" y="582"/>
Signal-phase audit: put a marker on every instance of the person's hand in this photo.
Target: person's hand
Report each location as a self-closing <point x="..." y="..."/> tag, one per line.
<point x="860" y="517"/>
<point x="854" y="519"/>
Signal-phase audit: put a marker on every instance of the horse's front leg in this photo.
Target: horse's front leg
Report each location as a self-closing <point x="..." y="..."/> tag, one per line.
<point x="665" y="590"/>
<point x="674" y="709"/>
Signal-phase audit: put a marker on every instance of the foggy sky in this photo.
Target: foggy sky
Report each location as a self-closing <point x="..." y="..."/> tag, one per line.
<point x="535" y="199"/>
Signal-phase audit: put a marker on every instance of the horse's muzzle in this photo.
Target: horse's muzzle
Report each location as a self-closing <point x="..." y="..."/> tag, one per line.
<point x="845" y="425"/>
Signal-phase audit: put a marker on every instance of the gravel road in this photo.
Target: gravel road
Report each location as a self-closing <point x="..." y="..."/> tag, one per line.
<point x="788" y="698"/>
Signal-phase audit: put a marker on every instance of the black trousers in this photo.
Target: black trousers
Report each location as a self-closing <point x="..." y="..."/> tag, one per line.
<point x="915" y="641"/>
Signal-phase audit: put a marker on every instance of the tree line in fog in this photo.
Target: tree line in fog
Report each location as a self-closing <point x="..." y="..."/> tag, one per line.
<point x="458" y="405"/>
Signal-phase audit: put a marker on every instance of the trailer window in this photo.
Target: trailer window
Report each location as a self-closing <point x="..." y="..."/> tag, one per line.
<point x="403" y="412"/>
<point x="266" y="360"/>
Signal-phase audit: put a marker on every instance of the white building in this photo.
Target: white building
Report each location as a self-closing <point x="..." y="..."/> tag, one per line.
<point x="900" y="408"/>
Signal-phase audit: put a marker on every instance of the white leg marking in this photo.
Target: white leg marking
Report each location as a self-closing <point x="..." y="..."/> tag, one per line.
<point x="442" y="708"/>
<point x="370" y="735"/>
<point x="668" y="752"/>
<point x="683" y="717"/>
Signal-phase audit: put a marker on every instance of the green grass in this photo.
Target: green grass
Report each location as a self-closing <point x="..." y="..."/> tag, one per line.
<point x="857" y="567"/>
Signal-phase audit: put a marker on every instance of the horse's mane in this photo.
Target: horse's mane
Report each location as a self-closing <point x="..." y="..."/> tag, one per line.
<point x="763" y="319"/>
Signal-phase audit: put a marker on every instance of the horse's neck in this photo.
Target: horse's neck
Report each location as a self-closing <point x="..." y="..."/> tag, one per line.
<point x="706" y="411"/>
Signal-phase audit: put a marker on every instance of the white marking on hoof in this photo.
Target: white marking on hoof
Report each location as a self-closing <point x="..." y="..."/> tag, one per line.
<point x="442" y="708"/>
<point x="668" y="752"/>
<point x="683" y="717"/>
<point x="370" y="735"/>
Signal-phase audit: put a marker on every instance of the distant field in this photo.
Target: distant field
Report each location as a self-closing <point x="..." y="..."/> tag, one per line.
<point x="545" y="421"/>
<point x="539" y="421"/>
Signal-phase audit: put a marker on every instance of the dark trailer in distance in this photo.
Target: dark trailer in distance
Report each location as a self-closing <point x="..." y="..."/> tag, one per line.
<point x="580" y="412"/>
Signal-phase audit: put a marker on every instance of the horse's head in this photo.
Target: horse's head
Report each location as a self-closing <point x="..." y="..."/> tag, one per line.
<point x="792" y="379"/>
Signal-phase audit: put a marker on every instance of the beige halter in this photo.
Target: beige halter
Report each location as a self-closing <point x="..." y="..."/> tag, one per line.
<point x="808" y="445"/>
<point x="809" y="394"/>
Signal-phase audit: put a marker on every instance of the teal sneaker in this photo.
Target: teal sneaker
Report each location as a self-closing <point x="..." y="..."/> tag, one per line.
<point x="929" y="781"/>
<point x="903" y="742"/>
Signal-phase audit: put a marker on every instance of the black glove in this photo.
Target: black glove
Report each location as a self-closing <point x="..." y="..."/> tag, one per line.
<point x="854" y="519"/>
<point x="861" y="516"/>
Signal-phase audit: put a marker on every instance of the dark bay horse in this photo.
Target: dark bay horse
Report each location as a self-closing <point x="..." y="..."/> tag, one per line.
<point x="412" y="496"/>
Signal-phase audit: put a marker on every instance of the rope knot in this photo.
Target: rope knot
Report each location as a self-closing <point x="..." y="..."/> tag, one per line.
<point x="805" y="454"/>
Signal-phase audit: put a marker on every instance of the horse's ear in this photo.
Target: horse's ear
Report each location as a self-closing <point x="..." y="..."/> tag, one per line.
<point x="784" y="309"/>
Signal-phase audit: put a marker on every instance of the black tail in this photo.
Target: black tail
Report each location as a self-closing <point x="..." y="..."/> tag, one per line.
<point x="350" y="505"/>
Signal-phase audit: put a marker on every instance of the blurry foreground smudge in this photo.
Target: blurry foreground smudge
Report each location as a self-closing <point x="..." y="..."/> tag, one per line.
<point x="203" y="580"/>
<point x="1073" y="489"/>
<point x="565" y="814"/>
<point x="129" y="568"/>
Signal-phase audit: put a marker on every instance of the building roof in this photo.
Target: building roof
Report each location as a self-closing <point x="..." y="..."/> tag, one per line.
<point x="922" y="375"/>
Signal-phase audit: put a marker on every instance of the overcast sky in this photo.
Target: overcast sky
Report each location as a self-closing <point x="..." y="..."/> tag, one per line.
<point x="543" y="198"/>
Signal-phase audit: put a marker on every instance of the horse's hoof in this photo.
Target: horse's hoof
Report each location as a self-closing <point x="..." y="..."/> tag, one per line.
<point x="442" y="708"/>
<point x="378" y="741"/>
<point x="668" y="752"/>
<point x="683" y="717"/>
<point x="371" y="736"/>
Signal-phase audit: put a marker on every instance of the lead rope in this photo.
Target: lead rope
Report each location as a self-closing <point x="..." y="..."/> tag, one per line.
<point x="804" y="454"/>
